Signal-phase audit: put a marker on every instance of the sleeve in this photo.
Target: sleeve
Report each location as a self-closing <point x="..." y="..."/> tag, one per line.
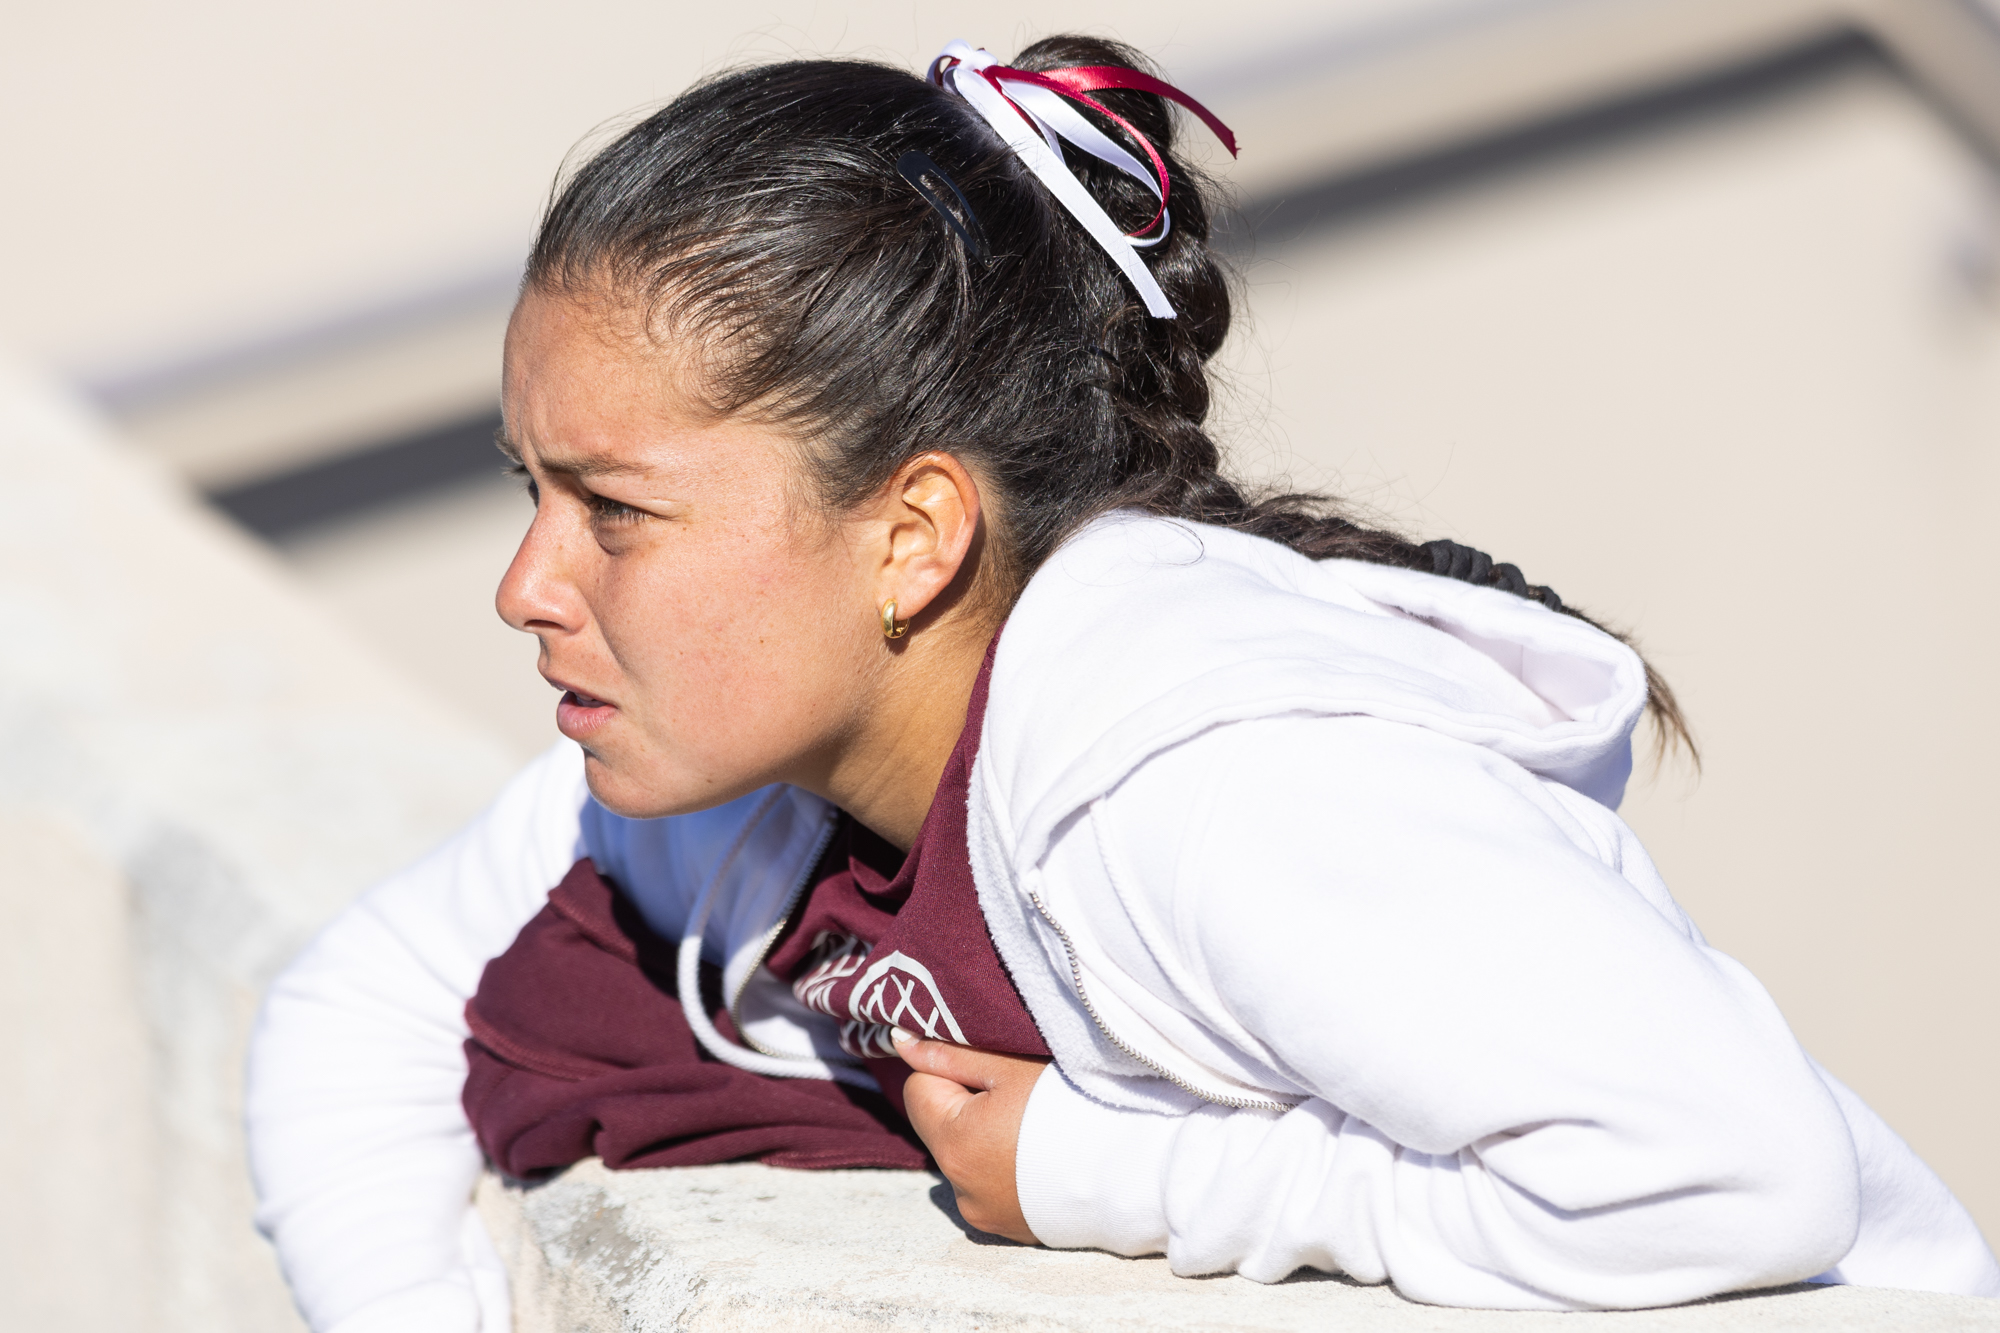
<point x="362" y="1157"/>
<point x="1914" y="1235"/>
<point x="1524" y="1085"/>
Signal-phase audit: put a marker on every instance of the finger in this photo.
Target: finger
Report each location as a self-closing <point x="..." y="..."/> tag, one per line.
<point x="964" y="1065"/>
<point x="933" y="1104"/>
<point x="958" y="1063"/>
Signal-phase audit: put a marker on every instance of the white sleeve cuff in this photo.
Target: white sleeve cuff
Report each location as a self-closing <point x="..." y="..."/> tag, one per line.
<point x="473" y="1299"/>
<point x="1090" y="1176"/>
<point x="444" y="1306"/>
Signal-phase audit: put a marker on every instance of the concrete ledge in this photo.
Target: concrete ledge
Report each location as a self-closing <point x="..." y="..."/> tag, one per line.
<point x="752" y="1247"/>
<point x="197" y="768"/>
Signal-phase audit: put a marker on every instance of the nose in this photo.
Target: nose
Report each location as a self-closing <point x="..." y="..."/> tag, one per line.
<point x="536" y="595"/>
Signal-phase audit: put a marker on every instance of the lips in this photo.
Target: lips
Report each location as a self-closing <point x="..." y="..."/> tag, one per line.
<point x="578" y="714"/>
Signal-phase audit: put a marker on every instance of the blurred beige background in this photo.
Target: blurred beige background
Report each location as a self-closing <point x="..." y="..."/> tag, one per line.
<point x="1691" y="309"/>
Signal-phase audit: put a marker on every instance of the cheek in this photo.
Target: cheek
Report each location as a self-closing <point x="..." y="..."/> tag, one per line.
<point x="735" y="651"/>
<point x="667" y="627"/>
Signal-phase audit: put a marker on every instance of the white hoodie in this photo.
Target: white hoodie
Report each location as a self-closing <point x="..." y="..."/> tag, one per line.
<point x="1309" y="875"/>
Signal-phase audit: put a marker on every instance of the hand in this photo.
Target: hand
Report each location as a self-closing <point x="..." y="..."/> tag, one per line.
<point x="967" y="1106"/>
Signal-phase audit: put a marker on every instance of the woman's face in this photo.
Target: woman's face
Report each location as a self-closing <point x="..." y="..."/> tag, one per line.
<point x="709" y="632"/>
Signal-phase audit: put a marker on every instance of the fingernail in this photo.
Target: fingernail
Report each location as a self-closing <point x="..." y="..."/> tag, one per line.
<point x="900" y="1037"/>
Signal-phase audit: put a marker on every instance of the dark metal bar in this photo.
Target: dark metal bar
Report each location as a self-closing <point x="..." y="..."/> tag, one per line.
<point x="290" y="503"/>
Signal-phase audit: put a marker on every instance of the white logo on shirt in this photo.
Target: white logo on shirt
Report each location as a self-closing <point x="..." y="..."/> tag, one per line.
<point x="895" y="991"/>
<point x="887" y="994"/>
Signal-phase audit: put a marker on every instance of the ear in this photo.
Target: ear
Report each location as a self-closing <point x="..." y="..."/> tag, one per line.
<point x="930" y="514"/>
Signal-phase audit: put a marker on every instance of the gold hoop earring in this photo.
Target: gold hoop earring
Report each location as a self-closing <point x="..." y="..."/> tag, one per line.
<point x="893" y="628"/>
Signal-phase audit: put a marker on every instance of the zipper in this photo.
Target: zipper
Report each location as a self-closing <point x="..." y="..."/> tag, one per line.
<point x="1076" y="979"/>
<point x="830" y="823"/>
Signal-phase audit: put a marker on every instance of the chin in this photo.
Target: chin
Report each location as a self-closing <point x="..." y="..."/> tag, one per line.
<point x="630" y="797"/>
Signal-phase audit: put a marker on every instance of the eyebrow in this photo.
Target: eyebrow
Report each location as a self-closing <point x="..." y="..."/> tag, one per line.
<point x="570" y="465"/>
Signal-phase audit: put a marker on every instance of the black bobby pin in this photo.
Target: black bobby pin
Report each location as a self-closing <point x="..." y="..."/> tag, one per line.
<point x="919" y="170"/>
<point x="1453" y="561"/>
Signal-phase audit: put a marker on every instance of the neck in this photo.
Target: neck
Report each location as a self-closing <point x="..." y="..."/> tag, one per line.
<point x="887" y="774"/>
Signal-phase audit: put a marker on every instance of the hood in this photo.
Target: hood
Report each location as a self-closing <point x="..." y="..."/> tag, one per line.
<point x="1142" y="632"/>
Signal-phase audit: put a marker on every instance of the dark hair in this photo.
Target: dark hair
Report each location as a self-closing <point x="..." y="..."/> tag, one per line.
<point x="763" y="213"/>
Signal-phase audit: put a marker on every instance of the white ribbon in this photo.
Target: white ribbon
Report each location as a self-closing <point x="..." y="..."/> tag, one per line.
<point x="1036" y="140"/>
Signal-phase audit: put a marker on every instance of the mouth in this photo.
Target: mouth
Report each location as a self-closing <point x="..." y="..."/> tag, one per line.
<point x="578" y="714"/>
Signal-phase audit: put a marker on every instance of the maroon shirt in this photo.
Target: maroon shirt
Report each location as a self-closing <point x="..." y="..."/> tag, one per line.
<point x="580" y="1047"/>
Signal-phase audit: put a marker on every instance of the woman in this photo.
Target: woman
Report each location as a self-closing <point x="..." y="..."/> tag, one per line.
<point x="1197" y="874"/>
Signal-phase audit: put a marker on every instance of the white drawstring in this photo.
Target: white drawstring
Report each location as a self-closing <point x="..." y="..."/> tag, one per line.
<point x="688" y="980"/>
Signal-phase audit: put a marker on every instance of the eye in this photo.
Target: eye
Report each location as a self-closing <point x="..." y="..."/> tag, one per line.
<point x="604" y="509"/>
<point x="527" y="484"/>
